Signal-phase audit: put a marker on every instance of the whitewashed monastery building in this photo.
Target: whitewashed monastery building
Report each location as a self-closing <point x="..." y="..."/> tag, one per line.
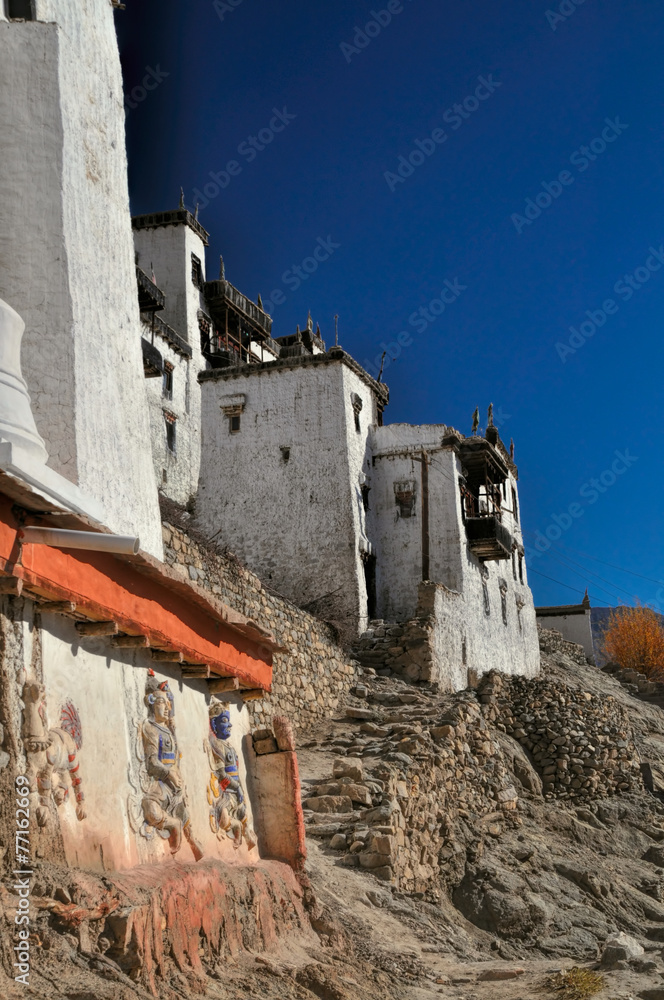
<point x="276" y="444"/>
<point x="300" y="477"/>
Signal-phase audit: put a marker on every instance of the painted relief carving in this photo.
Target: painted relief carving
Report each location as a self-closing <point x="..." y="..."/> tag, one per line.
<point x="162" y="804"/>
<point x="53" y="753"/>
<point x="226" y="796"/>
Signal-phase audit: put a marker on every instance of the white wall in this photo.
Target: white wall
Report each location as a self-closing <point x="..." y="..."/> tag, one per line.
<point x="297" y="524"/>
<point x="459" y="606"/>
<point x="66" y="255"/>
<point x="168" y="249"/>
<point x="181" y="467"/>
<point x="574" y="628"/>
<point x="107" y="687"/>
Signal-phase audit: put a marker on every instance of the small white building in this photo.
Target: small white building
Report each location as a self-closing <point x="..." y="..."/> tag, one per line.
<point x="575" y="623"/>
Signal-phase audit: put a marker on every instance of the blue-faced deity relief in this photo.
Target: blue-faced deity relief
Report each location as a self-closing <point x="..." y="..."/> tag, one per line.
<point x="226" y="796"/>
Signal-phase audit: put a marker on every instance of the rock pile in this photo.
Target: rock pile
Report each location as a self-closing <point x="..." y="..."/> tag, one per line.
<point x="581" y="744"/>
<point x="431" y="784"/>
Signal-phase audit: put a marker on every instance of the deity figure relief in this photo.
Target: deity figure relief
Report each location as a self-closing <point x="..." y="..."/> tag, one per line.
<point x="226" y="796"/>
<point x="53" y="752"/>
<point x="163" y="804"/>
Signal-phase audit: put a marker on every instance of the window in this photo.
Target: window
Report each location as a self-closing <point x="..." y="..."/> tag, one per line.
<point x="515" y="506"/>
<point x="520" y="568"/>
<point x="285" y="454"/>
<point x="196" y="271"/>
<point x="234" y="423"/>
<point x="167" y="381"/>
<point x="20" y="9"/>
<point x="171" y="421"/>
<point x="405" y="497"/>
<point x="356" y="403"/>
<point x="205" y="327"/>
<point x="365" y="495"/>
<point x="503" y="600"/>
<point x="514" y="564"/>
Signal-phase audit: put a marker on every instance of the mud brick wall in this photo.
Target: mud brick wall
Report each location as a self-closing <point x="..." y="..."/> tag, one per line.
<point x="313" y="677"/>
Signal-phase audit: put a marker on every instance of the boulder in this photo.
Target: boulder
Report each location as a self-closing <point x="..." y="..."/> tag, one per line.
<point x="496" y="975"/>
<point x="328" y="804"/>
<point x="283" y="732"/>
<point x="527" y="776"/>
<point x="621" y="948"/>
<point x="360" y="713"/>
<point x="349" y="767"/>
<point x="357" y="793"/>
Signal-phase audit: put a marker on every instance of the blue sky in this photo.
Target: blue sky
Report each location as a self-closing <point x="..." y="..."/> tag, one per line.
<point x="535" y="234"/>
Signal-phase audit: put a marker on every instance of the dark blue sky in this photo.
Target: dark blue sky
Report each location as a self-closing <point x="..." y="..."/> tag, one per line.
<point x="460" y="216"/>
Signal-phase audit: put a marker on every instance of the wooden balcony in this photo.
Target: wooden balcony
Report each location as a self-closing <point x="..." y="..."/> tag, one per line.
<point x="488" y="538"/>
<point x="150" y="298"/>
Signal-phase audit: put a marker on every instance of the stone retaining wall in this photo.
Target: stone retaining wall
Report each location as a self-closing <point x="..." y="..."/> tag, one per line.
<point x="551" y="642"/>
<point x="428" y="789"/>
<point x="581" y="745"/>
<point x="312" y="678"/>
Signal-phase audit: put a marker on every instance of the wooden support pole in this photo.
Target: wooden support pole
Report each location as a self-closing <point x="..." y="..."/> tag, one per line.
<point x="220" y="685"/>
<point x="58" y="607"/>
<point x="166" y="655"/>
<point x="11" y="585"/>
<point x="129" y="641"/>
<point x="97" y="628"/>
<point x="252" y="694"/>
<point x="196" y="670"/>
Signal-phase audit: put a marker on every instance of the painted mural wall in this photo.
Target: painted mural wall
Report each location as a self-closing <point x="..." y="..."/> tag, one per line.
<point x="135" y="764"/>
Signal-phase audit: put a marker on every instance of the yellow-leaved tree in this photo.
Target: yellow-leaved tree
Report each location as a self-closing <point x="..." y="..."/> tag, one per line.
<point x="634" y="638"/>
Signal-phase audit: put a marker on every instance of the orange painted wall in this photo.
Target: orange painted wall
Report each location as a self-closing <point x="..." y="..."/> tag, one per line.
<point x="111" y="589"/>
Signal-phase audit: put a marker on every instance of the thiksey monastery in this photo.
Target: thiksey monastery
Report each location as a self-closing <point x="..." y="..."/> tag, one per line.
<point x="206" y="525"/>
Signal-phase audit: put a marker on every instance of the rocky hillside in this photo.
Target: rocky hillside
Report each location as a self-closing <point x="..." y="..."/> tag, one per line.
<point x="466" y="845"/>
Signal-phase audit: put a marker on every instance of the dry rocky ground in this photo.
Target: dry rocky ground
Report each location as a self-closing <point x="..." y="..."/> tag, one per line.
<point x="460" y="846"/>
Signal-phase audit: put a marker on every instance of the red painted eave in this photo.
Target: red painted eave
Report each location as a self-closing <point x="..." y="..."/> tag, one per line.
<point x="147" y="598"/>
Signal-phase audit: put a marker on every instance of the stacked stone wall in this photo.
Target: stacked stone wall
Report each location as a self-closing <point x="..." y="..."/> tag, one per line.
<point x="401" y="648"/>
<point x="424" y="778"/>
<point x="582" y="745"/>
<point x="312" y="678"/>
<point x="552" y="642"/>
<point x="432" y="783"/>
